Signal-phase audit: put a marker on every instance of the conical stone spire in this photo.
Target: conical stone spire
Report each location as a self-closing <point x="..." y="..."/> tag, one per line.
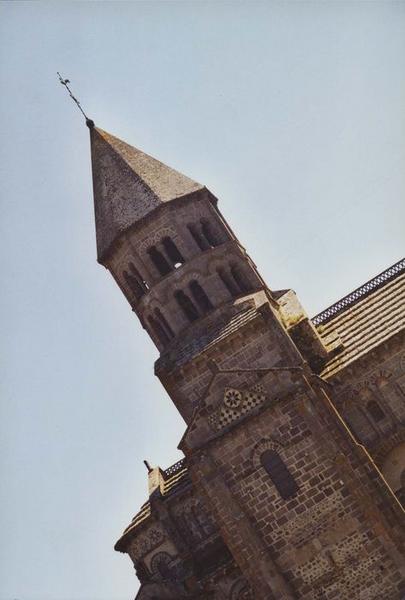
<point x="128" y="185"/>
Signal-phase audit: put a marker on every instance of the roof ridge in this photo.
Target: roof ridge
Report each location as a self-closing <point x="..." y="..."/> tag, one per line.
<point x="393" y="293"/>
<point x="359" y="293"/>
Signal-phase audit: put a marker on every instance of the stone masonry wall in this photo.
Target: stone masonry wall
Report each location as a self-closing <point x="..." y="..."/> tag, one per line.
<point x="323" y="542"/>
<point x="377" y="379"/>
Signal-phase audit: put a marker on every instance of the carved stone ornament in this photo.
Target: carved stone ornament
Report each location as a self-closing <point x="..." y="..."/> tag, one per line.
<point x="232" y="398"/>
<point x="235" y="404"/>
<point x="154" y="237"/>
<point x="146" y="543"/>
<point x="381" y="378"/>
<point x="160" y="564"/>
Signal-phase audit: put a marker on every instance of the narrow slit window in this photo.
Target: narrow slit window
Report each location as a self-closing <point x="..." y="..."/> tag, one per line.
<point x="159" y="261"/>
<point x="375" y="411"/>
<point x="278" y="472"/>
<point x="173" y="252"/>
<point x="186" y="305"/>
<point x="201" y="298"/>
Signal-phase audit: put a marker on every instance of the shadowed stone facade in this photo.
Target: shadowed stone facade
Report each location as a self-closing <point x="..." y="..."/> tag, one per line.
<point x="294" y="467"/>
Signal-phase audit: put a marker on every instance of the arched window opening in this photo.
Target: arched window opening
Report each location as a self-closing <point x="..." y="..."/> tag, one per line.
<point x="186" y="305"/>
<point x="136" y="273"/>
<point x="172" y="252"/>
<point x="134" y="285"/>
<point x="198" y="238"/>
<point x="209" y="235"/>
<point x="201" y="298"/>
<point x="278" y="472"/>
<point x="162" y="320"/>
<point x="240" y="280"/>
<point x="375" y="410"/>
<point x="158" y="331"/>
<point x="228" y="282"/>
<point x="161" y="564"/>
<point x="159" y="261"/>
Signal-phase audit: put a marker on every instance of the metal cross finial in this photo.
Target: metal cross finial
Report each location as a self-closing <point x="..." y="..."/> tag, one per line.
<point x="65" y="82"/>
<point x="147" y="465"/>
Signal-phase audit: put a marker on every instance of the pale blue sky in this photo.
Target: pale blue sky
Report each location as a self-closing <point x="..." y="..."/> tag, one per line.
<point x="291" y="113"/>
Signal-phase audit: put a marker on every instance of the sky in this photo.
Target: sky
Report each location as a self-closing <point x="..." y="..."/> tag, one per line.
<point x="291" y="113"/>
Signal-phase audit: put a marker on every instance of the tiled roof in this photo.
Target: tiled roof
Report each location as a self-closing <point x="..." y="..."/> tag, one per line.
<point x="365" y="318"/>
<point x="175" y="477"/>
<point x="140" y="516"/>
<point x="128" y="184"/>
<point x="186" y="349"/>
<point x="364" y="290"/>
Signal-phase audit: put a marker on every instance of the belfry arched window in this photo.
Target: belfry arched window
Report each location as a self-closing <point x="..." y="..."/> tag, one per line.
<point x="206" y="229"/>
<point x="159" y="261"/>
<point x="158" y="331"/>
<point x="198" y="238"/>
<point x="134" y="284"/>
<point x="135" y="281"/>
<point x="228" y="282"/>
<point x="186" y="305"/>
<point x="172" y="251"/>
<point x="278" y="472"/>
<point x="240" y="280"/>
<point x="375" y="410"/>
<point x="160" y="318"/>
<point x="201" y="298"/>
<point x="134" y="271"/>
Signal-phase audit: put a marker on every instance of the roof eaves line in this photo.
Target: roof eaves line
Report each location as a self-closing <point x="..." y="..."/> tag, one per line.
<point x="104" y="255"/>
<point x="221" y="337"/>
<point x="128" y="533"/>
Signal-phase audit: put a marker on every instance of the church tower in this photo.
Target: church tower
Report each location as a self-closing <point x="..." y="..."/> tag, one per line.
<point x="275" y="499"/>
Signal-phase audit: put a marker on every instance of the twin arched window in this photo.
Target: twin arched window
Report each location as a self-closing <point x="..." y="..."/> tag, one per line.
<point x="173" y="252"/>
<point x="206" y="230"/>
<point x="200" y="299"/>
<point x="204" y="235"/>
<point x="160" y="327"/>
<point x="228" y="281"/>
<point x="278" y="472"/>
<point x="186" y="305"/>
<point x="135" y="282"/>
<point x="160" y="259"/>
<point x="234" y="280"/>
<point x="199" y="239"/>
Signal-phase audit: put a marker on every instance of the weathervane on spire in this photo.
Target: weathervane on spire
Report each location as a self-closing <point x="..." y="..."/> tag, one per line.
<point x="65" y="82"/>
